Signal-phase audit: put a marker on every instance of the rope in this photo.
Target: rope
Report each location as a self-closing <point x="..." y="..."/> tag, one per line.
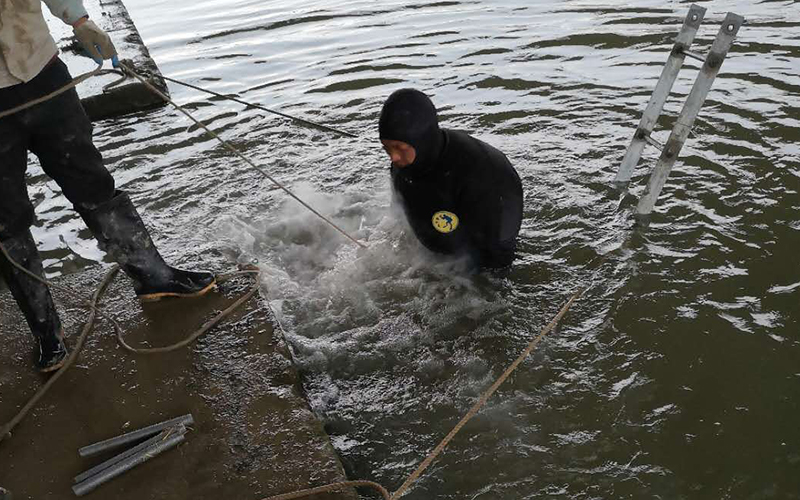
<point x="441" y="446"/>
<point x="262" y="108"/>
<point x="328" y="488"/>
<point x="5" y="432"/>
<point x="74" y="83"/>
<point x="207" y="326"/>
<point x="485" y="397"/>
<point x="235" y="151"/>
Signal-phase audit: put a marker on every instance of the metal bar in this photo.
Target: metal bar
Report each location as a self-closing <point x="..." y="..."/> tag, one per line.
<point x="170" y="440"/>
<point x="146" y="432"/>
<point x="111" y="461"/>
<point x="665" y="82"/>
<point x="697" y="96"/>
<point x="694" y="55"/>
<point x="654" y="143"/>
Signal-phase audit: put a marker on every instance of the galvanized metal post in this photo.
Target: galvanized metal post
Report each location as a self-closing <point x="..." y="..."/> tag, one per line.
<point x="697" y="96"/>
<point x="169" y="439"/>
<point x="118" y="458"/>
<point x="668" y="76"/>
<point x="146" y="432"/>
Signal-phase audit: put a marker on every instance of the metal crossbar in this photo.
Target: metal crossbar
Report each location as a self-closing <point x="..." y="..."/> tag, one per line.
<point x="697" y="96"/>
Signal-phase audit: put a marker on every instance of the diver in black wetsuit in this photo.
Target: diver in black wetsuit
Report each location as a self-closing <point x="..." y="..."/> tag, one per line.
<point x="460" y="195"/>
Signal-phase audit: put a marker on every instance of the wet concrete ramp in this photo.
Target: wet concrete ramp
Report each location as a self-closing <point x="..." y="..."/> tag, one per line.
<point x="254" y="434"/>
<point x="130" y="96"/>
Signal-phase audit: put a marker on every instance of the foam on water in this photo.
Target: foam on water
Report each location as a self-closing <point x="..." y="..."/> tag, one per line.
<point x="349" y="310"/>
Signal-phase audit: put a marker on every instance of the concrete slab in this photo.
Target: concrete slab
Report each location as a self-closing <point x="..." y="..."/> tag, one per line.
<point x="129" y="97"/>
<point x="254" y="434"/>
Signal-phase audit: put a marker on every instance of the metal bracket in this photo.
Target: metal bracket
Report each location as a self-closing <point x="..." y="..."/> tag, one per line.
<point x="697" y="96"/>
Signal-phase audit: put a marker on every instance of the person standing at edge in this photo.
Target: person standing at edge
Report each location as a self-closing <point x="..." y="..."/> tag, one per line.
<point x="59" y="133"/>
<point x="461" y="196"/>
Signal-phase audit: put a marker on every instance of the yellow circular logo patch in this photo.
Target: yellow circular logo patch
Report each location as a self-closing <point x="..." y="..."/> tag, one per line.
<point x="445" y="222"/>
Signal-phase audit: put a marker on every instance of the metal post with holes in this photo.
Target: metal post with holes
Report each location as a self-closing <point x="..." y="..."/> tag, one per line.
<point x="697" y="96"/>
<point x="668" y="76"/>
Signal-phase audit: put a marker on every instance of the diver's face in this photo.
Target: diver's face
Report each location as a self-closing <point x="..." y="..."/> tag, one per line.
<point x="401" y="153"/>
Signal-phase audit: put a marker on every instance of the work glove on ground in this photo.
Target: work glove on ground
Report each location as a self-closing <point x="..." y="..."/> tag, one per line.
<point x="96" y="41"/>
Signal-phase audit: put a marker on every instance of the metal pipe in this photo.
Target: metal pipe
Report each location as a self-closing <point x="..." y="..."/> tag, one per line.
<point x="117" y="458"/>
<point x="694" y="101"/>
<point x="694" y="55"/>
<point x="169" y="440"/>
<point x="146" y="432"/>
<point x="665" y="82"/>
<point x="654" y="143"/>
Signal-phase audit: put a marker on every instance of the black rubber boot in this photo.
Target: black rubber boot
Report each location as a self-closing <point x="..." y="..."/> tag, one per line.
<point x="34" y="299"/>
<point x="120" y="232"/>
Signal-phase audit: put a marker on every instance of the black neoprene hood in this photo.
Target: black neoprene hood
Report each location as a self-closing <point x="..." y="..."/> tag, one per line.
<point x="409" y="116"/>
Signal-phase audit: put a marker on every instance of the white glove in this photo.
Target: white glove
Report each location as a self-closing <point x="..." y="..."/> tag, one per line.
<point x="96" y="41"/>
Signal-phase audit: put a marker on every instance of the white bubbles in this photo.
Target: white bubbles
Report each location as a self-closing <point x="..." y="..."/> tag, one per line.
<point x="351" y="312"/>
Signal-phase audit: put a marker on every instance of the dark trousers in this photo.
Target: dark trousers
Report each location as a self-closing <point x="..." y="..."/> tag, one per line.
<point x="59" y="133"/>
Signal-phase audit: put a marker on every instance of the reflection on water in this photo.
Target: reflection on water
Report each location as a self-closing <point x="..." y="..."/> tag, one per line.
<point x="675" y="376"/>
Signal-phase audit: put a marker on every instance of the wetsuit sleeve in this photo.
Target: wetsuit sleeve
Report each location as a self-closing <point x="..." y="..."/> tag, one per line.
<point x="491" y="199"/>
<point x="68" y="11"/>
<point x="494" y="221"/>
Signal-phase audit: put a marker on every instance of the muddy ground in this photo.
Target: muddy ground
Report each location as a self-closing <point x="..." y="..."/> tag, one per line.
<point x="254" y="434"/>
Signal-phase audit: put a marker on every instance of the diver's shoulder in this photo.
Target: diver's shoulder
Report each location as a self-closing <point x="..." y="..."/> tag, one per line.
<point x="459" y="138"/>
<point x="466" y="140"/>
<point x="460" y="143"/>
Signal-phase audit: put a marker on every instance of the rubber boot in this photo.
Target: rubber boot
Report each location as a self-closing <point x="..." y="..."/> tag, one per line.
<point x="34" y="299"/>
<point x="121" y="233"/>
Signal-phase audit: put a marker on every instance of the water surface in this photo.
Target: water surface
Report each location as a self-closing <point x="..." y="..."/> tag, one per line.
<point x="675" y="376"/>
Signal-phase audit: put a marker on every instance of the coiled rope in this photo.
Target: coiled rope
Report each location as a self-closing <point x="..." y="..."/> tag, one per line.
<point x="71" y="85"/>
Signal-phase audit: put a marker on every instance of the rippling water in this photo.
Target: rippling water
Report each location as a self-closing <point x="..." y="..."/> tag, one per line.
<point x="677" y="375"/>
